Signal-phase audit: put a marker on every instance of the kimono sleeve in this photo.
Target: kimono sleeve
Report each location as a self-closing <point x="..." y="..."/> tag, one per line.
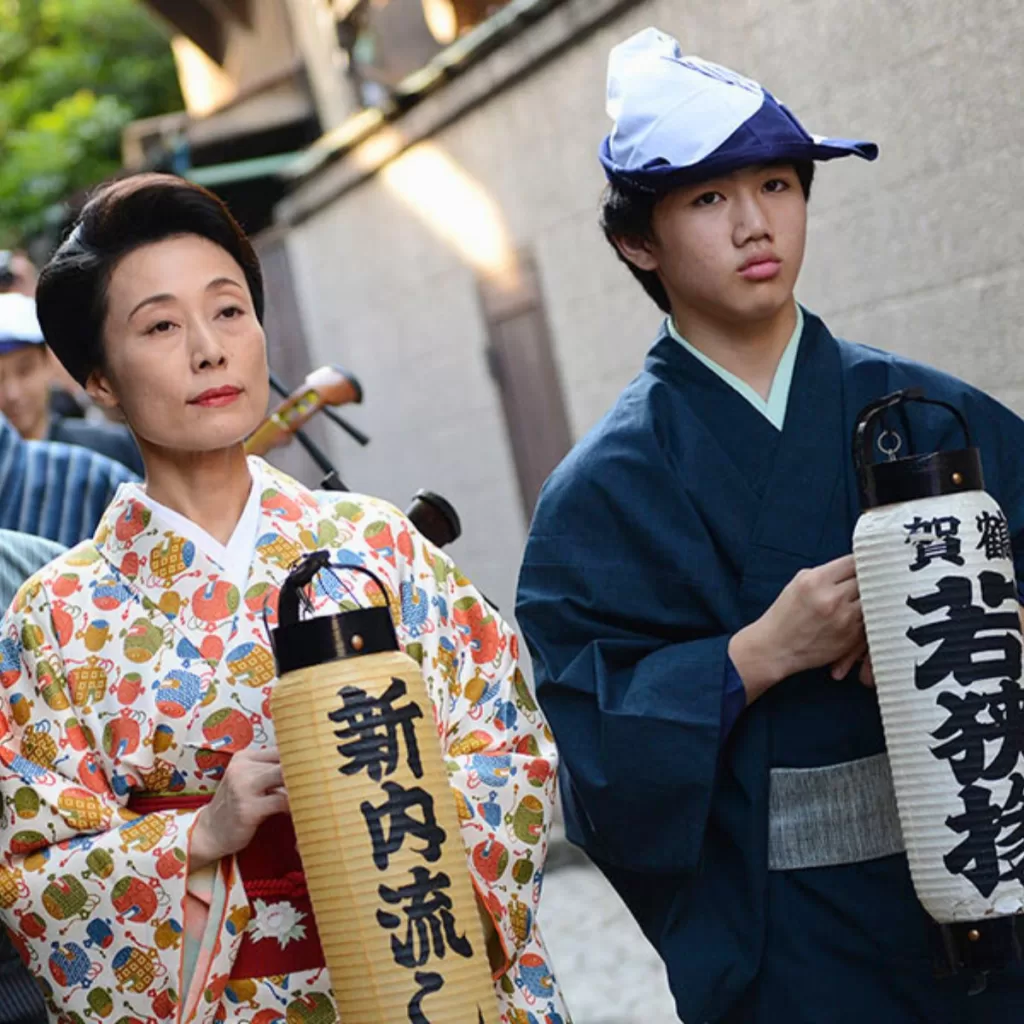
<point x="1000" y="435"/>
<point x="82" y="878"/>
<point x="621" y="603"/>
<point x="499" y="751"/>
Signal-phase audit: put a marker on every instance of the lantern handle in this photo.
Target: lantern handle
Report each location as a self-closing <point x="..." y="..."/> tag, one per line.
<point x="863" y="431"/>
<point x="303" y="574"/>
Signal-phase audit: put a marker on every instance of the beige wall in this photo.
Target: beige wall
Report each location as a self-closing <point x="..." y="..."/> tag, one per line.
<point x="265" y="48"/>
<point x="920" y="253"/>
<point x="258" y="86"/>
<point x="254" y="52"/>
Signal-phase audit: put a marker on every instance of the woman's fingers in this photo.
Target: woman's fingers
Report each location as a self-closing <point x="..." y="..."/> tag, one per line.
<point x="270" y="755"/>
<point x="262" y="779"/>
<point x="272" y="803"/>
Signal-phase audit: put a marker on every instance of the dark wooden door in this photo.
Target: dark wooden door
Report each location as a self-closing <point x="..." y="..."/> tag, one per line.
<point x="522" y="363"/>
<point x="287" y="350"/>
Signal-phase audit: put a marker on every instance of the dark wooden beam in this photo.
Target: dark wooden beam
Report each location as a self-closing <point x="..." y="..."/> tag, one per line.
<point x="239" y="10"/>
<point x="195" y="20"/>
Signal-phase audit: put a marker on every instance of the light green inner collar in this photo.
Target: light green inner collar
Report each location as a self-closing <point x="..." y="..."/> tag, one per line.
<point x="774" y="408"/>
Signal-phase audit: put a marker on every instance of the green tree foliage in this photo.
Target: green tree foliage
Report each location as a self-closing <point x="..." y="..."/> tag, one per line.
<point x="73" y="73"/>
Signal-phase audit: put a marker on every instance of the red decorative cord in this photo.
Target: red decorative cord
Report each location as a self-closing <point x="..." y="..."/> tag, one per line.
<point x="291" y="887"/>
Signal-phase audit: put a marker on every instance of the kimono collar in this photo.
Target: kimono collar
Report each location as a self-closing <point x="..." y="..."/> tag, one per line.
<point x="666" y="358"/>
<point x="235" y="557"/>
<point x="774" y="407"/>
<point x="138" y="541"/>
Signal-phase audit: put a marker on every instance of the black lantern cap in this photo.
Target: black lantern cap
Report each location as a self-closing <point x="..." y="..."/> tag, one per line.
<point x="913" y="476"/>
<point x="302" y="643"/>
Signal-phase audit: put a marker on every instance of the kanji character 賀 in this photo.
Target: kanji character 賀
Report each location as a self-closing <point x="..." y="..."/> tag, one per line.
<point x="935" y="538"/>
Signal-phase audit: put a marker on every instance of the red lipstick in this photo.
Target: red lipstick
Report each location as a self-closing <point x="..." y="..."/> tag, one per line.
<point x="215" y="398"/>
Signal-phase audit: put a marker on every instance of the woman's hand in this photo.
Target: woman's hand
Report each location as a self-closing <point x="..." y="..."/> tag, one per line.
<point x="251" y="791"/>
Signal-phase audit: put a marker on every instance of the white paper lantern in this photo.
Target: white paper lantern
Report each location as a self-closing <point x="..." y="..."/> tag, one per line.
<point x="941" y="609"/>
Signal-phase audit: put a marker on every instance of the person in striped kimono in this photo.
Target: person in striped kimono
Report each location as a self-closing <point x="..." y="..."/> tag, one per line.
<point x="54" y="490"/>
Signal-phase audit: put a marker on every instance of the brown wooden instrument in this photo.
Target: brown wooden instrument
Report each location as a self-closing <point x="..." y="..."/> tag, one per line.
<point x="324" y="387"/>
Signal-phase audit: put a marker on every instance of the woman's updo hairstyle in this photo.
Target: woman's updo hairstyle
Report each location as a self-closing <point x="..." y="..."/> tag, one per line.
<point x="122" y="216"/>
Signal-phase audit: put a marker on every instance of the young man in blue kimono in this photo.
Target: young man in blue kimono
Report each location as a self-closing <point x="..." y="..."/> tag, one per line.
<point x="690" y="601"/>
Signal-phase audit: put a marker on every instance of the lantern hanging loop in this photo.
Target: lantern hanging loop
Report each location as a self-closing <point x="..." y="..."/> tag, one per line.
<point x="863" y="432"/>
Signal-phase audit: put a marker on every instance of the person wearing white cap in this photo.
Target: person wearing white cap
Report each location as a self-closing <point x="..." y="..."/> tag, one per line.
<point x="689" y="597"/>
<point x="25" y="379"/>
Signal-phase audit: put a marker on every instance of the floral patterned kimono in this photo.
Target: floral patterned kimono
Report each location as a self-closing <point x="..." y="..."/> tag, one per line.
<point x="132" y="667"/>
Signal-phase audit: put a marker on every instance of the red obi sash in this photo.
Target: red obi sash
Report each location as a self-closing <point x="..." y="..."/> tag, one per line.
<point x="272" y="873"/>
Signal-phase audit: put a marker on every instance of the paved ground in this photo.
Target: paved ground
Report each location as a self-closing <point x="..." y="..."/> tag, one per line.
<point x="608" y="972"/>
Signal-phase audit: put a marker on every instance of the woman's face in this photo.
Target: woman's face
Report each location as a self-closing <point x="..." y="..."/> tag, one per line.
<point x="186" y="357"/>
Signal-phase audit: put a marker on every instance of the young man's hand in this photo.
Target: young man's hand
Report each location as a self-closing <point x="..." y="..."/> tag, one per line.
<point x="815" y="621"/>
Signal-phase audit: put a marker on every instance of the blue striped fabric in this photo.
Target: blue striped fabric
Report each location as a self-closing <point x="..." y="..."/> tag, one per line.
<point x="22" y="554"/>
<point x="54" y="490"/>
<point x="21" y="1002"/>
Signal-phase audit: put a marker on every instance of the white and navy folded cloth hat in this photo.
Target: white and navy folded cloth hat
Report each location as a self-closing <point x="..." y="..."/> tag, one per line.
<point x="18" y="322"/>
<point x="681" y="119"/>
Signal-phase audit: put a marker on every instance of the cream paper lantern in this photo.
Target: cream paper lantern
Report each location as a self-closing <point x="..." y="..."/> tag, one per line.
<point x="375" y="818"/>
<point x="939" y="596"/>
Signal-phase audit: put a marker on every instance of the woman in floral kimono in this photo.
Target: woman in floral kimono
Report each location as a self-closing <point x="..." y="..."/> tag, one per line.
<point x="148" y="869"/>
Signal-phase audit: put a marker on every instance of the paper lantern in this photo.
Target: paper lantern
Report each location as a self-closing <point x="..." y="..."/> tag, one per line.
<point x="376" y="819"/>
<point x="939" y="595"/>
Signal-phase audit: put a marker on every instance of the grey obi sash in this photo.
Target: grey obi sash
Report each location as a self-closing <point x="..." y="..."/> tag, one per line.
<point x="840" y="814"/>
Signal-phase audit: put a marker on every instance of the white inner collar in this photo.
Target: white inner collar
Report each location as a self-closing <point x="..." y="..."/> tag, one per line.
<point x="236" y="556"/>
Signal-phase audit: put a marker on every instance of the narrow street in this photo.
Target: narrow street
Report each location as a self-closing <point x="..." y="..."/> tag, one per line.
<point x="607" y="970"/>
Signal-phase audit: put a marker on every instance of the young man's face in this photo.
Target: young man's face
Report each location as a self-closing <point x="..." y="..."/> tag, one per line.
<point x="25" y="389"/>
<point x="729" y="249"/>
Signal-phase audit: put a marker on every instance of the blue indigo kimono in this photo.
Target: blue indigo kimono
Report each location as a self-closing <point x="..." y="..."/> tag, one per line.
<point x="675" y="523"/>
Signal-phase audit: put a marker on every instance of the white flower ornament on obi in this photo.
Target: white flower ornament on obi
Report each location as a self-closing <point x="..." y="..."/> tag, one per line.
<point x="280" y="921"/>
